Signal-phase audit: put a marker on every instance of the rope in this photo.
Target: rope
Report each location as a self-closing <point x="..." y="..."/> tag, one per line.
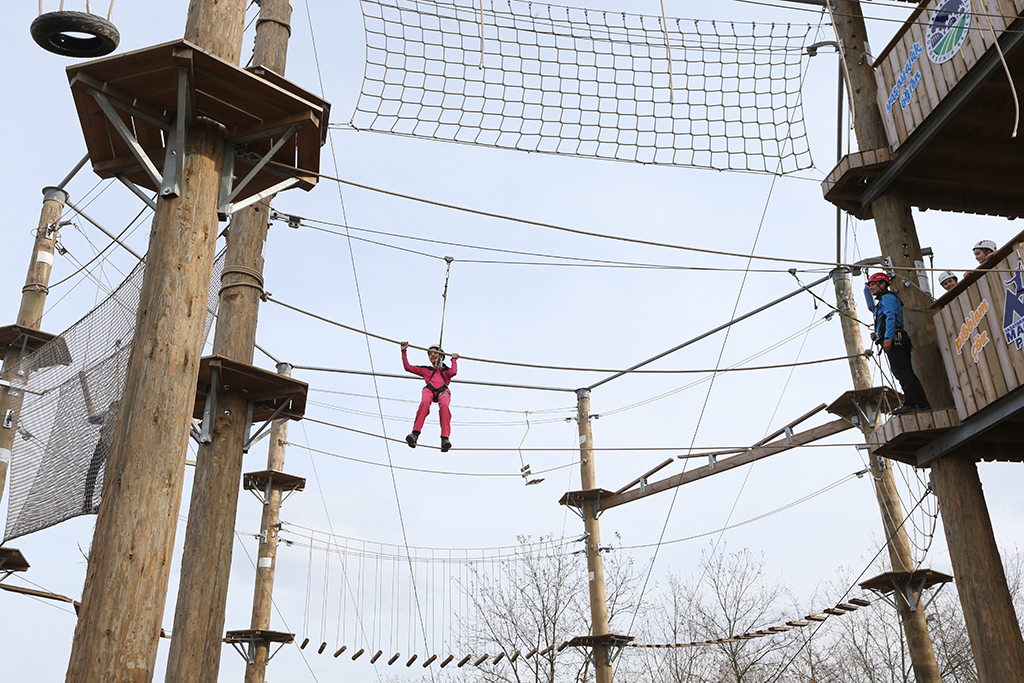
<point x="241" y="270"/>
<point x="535" y="366"/>
<point x="449" y="259"/>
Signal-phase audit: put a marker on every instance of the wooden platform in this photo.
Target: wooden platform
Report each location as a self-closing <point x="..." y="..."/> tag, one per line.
<point x="267" y="390"/>
<point x="848" y="180"/>
<point x="255" y="635"/>
<point x="11" y="560"/>
<point x="143" y="85"/>
<point x="30" y="340"/>
<point x="901" y="435"/>
<point x="260" y="481"/>
<point x="921" y="579"/>
<point x="606" y="639"/>
<point x="576" y="499"/>
<point x="846" y="406"/>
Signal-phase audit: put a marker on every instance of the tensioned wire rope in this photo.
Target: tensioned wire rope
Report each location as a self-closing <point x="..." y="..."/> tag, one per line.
<point x="598" y="235"/>
<point x="616" y="372"/>
<point x="369" y="353"/>
<point x="574" y="261"/>
<point x="707" y="398"/>
<point x="613" y="411"/>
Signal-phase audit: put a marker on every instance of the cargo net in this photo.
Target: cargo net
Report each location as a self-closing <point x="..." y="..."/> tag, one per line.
<point x="69" y="392"/>
<point x="587" y="83"/>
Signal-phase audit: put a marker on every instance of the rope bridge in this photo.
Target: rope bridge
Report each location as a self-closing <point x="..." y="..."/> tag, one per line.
<point x="595" y="84"/>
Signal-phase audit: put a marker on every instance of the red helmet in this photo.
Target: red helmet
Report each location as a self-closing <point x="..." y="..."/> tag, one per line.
<point x="879" y="277"/>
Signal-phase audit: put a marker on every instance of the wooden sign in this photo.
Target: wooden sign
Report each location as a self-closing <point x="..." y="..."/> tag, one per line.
<point x="981" y="332"/>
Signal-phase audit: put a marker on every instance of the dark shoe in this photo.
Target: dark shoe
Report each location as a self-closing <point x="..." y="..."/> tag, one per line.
<point x="446" y="445"/>
<point x="922" y="406"/>
<point x="904" y="408"/>
<point x="412" y="439"/>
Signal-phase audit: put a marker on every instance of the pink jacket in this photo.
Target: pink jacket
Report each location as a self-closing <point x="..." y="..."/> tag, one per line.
<point x="434" y="377"/>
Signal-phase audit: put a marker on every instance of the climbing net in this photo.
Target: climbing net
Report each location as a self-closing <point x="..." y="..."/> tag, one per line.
<point x="560" y="80"/>
<point x="59" y="454"/>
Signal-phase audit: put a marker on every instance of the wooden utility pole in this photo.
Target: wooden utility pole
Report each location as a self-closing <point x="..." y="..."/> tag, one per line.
<point x="595" y="564"/>
<point x="263" y="594"/>
<point x="209" y="537"/>
<point x="981" y="581"/>
<point x="130" y="558"/>
<point x="30" y="314"/>
<point x="919" y="642"/>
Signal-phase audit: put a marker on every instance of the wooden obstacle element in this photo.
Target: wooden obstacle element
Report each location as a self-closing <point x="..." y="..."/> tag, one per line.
<point x="376" y="656"/>
<point x="462" y="662"/>
<point x="46" y="595"/>
<point x="447" y="661"/>
<point x="323" y="646"/>
<point x="431" y="659"/>
<point x="340" y="650"/>
<point x="358" y="654"/>
<point x="481" y="660"/>
<point x="394" y="657"/>
<point x="411" y="660"/>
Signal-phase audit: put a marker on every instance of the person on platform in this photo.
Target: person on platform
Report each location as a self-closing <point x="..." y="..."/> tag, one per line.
<point x="437" y="376"/>
<point x="947" y="280"/>
<point x="982" y="250"/>
<point x="106" y="420"/>
<point x="895" y="341"/>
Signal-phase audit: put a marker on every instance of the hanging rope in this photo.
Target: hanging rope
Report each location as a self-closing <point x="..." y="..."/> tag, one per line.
<point x="444" y="297"/>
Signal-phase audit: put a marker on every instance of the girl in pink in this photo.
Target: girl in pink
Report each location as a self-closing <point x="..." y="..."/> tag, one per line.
<point x="437" y="375"/>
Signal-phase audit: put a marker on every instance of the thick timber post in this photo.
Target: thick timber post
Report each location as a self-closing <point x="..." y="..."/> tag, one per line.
<point x="981" y="583"/>
<point x="209" y="536"/>
<point x="595" y="565"/>
<point x="263" y="595"/>
<point x="30" y="314"/>
<point x="915" y="628"/>
<point x="130" y="558"/>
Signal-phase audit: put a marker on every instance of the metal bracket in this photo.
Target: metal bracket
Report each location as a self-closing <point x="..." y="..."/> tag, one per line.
<point x="210" y="410"/>
<point x="8" y="418"/>
<point x="229" y="190"/>
<point x="712" y="459"/>
<point x="249" y="651"/>
<point x="248" y="420"/>
<point x="128" y="136"/>
<point x="136" y="190"/>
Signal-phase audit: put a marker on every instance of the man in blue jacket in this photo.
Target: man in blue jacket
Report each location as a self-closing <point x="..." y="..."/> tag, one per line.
<point x="894" y="340"/>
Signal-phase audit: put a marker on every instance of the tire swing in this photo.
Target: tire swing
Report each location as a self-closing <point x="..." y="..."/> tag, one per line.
<point x="75" y="34"/>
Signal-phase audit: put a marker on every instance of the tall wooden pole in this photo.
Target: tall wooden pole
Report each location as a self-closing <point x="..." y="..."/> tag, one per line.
<point x="981" y="582"/>
<point x="263" y="595"/>
<point x="595" y="564"/>
<point x="30" y="314"/>
<point x="130" y="559"/>
<point x="209" y="536"/>
<point x="919" y="642"/>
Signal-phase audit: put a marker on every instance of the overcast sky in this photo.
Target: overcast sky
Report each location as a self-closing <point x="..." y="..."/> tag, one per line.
<point x="547" y="315"/>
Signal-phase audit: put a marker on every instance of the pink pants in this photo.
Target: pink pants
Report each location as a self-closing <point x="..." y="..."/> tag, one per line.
<point x="443" y="402"/>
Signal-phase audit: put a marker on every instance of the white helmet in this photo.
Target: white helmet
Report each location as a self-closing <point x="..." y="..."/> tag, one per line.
<point x="945" y="275"/>
<point x="986" y="244"/>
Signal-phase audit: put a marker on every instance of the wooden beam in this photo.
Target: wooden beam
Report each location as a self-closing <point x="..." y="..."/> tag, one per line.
<point x="751" y="455"/>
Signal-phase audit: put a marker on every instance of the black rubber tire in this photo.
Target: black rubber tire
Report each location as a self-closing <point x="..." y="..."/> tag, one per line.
<point x="52" y="30"/>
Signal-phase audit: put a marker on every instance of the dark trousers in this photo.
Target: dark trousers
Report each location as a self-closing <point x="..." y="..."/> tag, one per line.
<point x="903" y="370"/>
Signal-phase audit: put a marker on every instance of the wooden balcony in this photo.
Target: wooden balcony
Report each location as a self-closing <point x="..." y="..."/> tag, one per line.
<point x="948" y="111"/>
<point x="980" y="327"/>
